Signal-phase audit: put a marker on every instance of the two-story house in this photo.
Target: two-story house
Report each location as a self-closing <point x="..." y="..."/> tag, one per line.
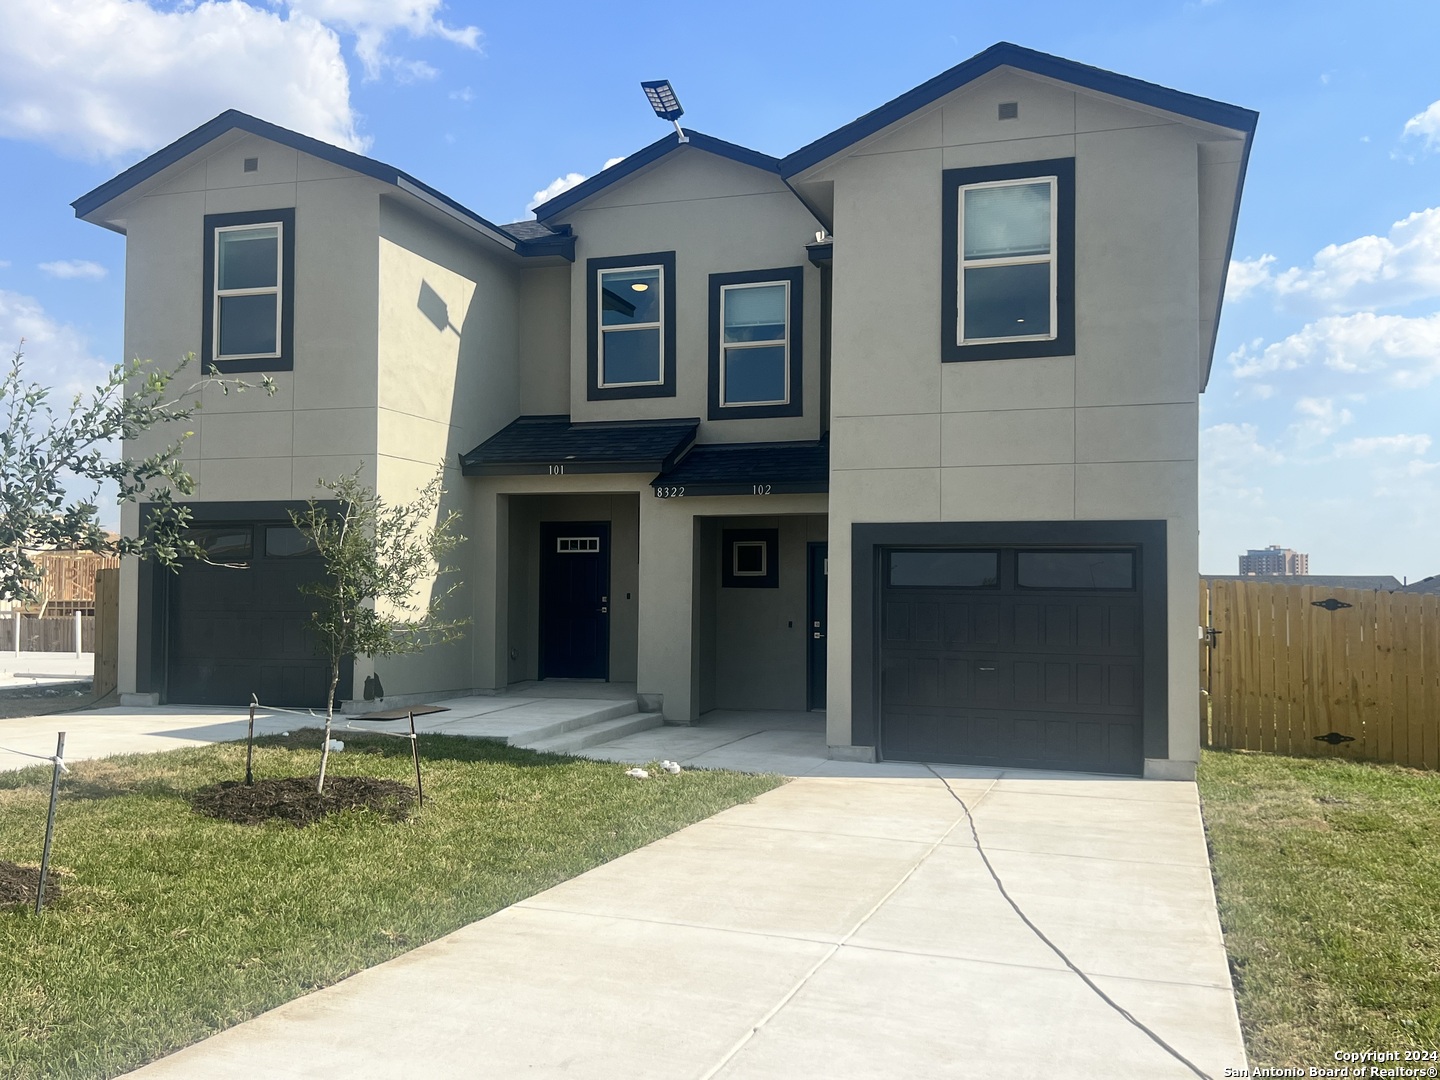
<point x="902" y="425"/>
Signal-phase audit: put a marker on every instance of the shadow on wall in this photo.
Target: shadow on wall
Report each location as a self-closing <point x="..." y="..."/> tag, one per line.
<point x="432" y="305"/>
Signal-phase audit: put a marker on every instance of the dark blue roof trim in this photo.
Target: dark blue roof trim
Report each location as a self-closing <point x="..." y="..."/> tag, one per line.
<point x="770" y="468"/>
<point x="652" y="153"/>
<point x="233" y="118"/>
<point x="552" y="445"/>
<point x="821" y="253"/>
<point x="1005" y="54"/>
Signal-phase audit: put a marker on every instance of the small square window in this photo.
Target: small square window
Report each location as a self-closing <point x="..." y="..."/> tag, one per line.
<point x="749" y="558"/>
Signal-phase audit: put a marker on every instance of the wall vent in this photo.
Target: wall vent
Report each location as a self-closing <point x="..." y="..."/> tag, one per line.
<point x="252" y="164"/>
<point x="1009" y="110"/>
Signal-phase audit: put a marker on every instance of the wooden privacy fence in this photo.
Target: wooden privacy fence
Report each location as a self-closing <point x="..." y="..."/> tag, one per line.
<point x="46" y="633"/>
<point x="1321" y="672"/>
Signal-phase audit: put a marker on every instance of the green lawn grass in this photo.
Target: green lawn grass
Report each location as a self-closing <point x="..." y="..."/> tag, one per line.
<point x="173" y="925"/>
<point x="1328" y="879"/>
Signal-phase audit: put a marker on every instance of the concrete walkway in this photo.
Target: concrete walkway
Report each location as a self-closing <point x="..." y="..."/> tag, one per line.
<point x="835" y="927"/>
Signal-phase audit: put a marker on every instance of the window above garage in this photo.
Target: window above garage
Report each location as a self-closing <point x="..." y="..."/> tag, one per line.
<point x="249" y="291"/>
<point x="1009" y="261"/>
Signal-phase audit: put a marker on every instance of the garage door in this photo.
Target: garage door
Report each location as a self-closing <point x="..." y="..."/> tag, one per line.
<point x="238" y="625"/>
<point x="1024" y="657"/>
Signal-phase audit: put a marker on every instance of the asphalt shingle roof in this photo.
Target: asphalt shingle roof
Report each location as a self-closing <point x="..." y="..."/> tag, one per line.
<point x="736" y="468"/>
<point x="533" y="444"/>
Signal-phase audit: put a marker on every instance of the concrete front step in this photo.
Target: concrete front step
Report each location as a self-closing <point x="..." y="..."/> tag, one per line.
<point x="555" y="718"/>
<point x="607" y="730"/>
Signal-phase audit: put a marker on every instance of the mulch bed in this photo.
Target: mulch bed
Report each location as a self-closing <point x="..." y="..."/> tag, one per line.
<point x="18" y="884"/>
<point x="294" y="799"/>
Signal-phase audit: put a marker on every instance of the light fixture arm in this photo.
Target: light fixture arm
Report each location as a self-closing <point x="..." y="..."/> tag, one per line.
<point x="680" y="131"/>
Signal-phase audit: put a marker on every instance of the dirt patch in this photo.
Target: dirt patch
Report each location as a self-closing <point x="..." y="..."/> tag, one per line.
<point x="295" y="800"/>
<point x="18" y="884"/>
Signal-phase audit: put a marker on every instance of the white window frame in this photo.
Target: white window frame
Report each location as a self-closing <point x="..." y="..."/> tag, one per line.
<point x="727" y="347"/>
<point x="736" y="545"/>
<point x="1019" y="260"/>
<point x="577" y="545"/>
<point x="278" y="289"/>
<point x="601" y="381"/>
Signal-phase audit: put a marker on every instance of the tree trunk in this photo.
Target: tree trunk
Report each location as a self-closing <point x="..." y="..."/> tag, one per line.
<point x="329" y="713"/>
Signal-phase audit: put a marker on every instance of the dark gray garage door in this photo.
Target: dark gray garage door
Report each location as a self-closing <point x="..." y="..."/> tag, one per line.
<point x="241" y="628"/>
<point x="1024" y="657"/>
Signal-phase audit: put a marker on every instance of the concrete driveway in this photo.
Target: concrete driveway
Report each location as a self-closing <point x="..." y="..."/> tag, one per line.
<point x="836" y="927"/>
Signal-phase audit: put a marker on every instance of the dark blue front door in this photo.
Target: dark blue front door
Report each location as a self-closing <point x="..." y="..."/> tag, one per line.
<point x="575" y="600"/>
<point x="818" y="604"/>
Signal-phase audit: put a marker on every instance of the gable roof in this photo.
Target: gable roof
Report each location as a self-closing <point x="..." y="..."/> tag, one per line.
<point x="1004" y="54"/>
<point x="234" y="120"/>
<point x="697" y="140"/>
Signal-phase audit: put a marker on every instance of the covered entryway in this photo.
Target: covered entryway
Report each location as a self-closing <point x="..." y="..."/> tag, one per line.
<point x="239" y="624"/>
<point x="1024" y="657"/>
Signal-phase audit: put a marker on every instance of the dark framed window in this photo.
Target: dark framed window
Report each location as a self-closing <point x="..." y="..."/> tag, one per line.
<point x="249" y="291"/>
<point x="224" y="544"/>
<point x="288" y="542"/>
<point x="750" y="558"/>
<point x="630" y="330"/>
<point x="944" y="569"/>
<point x="1075" y="569"/>
<point x="1008" y="261"/>
<point x="756" y="355"/>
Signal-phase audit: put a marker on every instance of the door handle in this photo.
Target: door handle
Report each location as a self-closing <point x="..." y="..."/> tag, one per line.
<point x="818" y="634"/>
<point x="604" y="611"/>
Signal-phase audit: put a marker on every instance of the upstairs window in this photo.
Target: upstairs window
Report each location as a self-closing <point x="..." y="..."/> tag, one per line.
<point x="1008" y="250"/>
<point x="632" y="323"/>
<point x="1007" y="270"/>
<point x="755" y="343"/>
<point x="249" y="289"/>
<point x="631" y="338"/>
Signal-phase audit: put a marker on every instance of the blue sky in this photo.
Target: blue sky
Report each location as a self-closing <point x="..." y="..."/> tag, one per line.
<point x="1321" y="425"/>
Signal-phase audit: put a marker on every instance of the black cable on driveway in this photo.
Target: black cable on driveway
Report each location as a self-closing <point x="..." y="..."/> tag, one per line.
<point x="1124" y="1012"/>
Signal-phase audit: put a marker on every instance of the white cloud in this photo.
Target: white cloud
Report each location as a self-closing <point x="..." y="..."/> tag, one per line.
<point x="1363" y="274"/>
<point x="1319" y="419"/>
<point x="103" y="78"/>
<point x="1425" y="125"/>
<point x="1247" y="275"/>
<point x="74" y="268"/>
<point x="1405" y="350"/>
<point x="1414" y="445"/>
<point x="565" y="183"/>
<point x="555" y="187"/>
<point x="374" y="21"/>
<point x="55" y="353"/>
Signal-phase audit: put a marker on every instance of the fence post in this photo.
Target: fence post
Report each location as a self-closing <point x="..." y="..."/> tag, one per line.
<point x="77" y="635"/>
<point x="15" y="615"/>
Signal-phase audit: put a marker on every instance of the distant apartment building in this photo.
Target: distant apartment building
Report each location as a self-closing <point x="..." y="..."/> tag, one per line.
<point x="1274" y="560"/>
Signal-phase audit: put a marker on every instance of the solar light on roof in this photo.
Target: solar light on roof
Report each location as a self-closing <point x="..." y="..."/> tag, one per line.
<point x="665" y="103"/>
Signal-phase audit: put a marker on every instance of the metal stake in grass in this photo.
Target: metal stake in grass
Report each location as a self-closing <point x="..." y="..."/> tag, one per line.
<point x="415" y="754"/>
<point x="50" y="823"/>
<point x="250" y="746"/>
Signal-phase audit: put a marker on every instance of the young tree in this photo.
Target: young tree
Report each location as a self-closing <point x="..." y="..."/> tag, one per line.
<point x="52" y="467"/>
<point x="375" y="554"/>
